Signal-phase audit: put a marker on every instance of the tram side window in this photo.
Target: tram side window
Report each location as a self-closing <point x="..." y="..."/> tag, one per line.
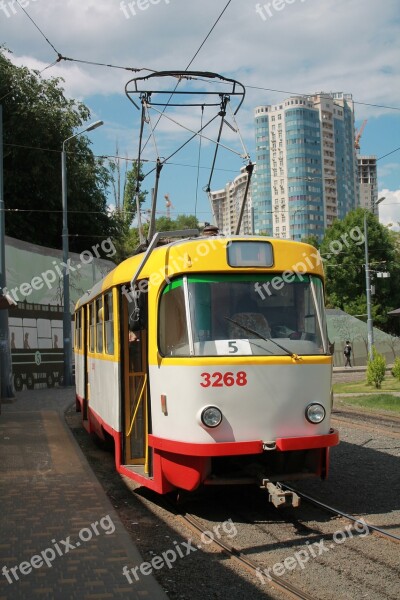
<point x="78" y="330"/>
<point x="109" y="323"/>
<point x="91" y="327"/>
<point x="173" y="329"/>
<point x="99" y="324"/>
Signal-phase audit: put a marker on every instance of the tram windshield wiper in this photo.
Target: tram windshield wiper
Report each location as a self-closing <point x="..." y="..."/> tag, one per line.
<point x="254" y="332"/>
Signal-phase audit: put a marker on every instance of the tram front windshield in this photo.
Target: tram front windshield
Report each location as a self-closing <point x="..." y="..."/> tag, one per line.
<point x="233" y="315"/>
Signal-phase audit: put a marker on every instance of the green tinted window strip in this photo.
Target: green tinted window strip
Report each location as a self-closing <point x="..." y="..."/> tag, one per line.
<point x="223" y="278"/>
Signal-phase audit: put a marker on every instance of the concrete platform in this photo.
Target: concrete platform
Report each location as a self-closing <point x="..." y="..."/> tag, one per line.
<point x="60" y="537"/>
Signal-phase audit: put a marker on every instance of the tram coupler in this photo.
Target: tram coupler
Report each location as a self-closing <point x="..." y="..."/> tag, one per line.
<point x="280" y="497"/>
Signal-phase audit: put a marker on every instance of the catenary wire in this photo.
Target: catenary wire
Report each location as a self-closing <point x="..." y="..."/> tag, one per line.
<point x="198" y="163"/>
<point x="189" y="64"/>
<point x="137" y="69"/>
<point x="113" y="156"/>
<point x="208" y="35"/>
<point x="38" y="28"/>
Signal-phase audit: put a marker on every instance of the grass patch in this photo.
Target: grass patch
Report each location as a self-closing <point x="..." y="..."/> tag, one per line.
<point x="389" y="384"/>
<point x="372" y="401"/>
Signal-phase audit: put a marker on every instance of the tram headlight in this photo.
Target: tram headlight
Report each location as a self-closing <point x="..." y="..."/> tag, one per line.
<point x="211" y="416"/>
<point x="315" y="413"/>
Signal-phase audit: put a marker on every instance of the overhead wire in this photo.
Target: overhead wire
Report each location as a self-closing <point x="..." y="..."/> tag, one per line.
<point x="190" y="63"/>
<point x="198" y="162"/>
<point x="113" y="156"/>
<point x="323" y="95"/>
<point x="182" y="146"/>
<point x="38" y="28"/>
<point x="198" y="133"/>
<point x="60" y="56"/>
<point x="135" y="69"/>
<point x="208" y="34"/>
<point x="388" y="154"/>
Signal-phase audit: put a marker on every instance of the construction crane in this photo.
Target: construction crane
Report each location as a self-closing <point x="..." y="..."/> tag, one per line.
<point x="168" y="205"/>
<point x="359" y="134"/>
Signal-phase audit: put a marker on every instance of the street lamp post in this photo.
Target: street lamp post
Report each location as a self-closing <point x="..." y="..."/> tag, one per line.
<point x="65" y="247"/>
<point x="297" y="210"/>
<point x="6" y="386"/>
<point x="370" y="326"/>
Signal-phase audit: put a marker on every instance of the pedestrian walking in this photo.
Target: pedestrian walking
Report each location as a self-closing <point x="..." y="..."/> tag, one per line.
<point x="347" y="353"/>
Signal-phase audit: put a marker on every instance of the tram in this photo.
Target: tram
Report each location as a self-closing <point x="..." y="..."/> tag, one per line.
<point x="206" y="359"/>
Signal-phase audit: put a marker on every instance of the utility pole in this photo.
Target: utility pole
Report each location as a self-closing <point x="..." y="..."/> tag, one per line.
<point x="6" y="383"/>
<point x="370" y="327"/>
<point x="67" y="341"/>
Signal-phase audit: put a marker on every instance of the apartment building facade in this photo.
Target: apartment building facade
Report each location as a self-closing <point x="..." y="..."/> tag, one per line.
<point x="306" y="165"/>
<point x="368" y="182"/>
<point x="226" y="205"/>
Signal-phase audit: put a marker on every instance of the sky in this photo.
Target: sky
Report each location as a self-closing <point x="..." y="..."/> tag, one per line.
<point x="273" y="48"/>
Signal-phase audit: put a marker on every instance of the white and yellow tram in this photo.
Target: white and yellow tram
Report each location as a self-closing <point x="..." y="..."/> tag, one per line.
<point x="207" y="360"/>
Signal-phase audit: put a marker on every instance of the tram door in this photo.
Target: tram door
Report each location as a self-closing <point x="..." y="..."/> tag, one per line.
<point x="136" y="386"/>
<point x="86" y="387"/>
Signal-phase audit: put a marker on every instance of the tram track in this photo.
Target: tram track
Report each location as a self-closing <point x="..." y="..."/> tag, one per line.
<point x="278" y="583"/>
<point x="379" y="422"/>
<point x="340" y="513"/>
<point x="280" y="534"/>
<point x="289" y="588"/>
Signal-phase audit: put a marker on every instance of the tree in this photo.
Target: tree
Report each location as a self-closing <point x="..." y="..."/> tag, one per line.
<point x="134" y="177"/>
<point x="312" y="240"/>
<point x="343" y="251"/>
<point x="131" y="242"/>
<point x="37" y="117"/>
<point x="376" y="368"/>
<point x="124" y="186"/>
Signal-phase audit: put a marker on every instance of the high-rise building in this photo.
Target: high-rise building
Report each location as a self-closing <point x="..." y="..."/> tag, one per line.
<point x="226" y="205"/>
<point x="368" y="183"/>
<point x="306" y="165"/>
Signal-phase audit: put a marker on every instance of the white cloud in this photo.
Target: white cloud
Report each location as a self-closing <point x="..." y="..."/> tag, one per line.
<point x="389" y="209"/>
<point x="309" y="46"/>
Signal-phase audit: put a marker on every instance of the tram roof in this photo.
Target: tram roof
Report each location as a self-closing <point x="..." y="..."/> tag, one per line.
<point x="184" y="256"/>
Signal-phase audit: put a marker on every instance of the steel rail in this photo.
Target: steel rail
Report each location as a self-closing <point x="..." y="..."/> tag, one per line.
<point x="341" y="513"/>
<point x="282" y="585"/>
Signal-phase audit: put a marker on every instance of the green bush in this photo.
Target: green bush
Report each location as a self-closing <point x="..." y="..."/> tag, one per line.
<point x="376" y="369"/>
<point x="396" y="369"/>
